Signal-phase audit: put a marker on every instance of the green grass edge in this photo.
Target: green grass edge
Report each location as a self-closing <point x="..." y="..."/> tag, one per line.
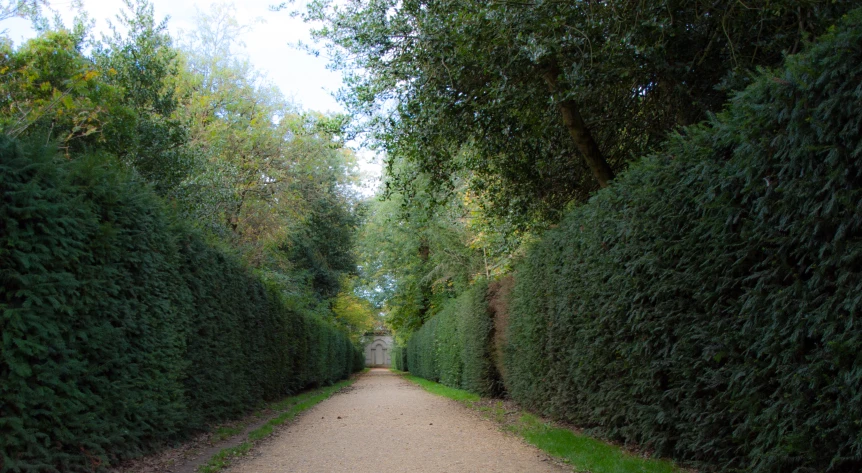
<point x="583" y="453"/>
<point x="290" y="407"/>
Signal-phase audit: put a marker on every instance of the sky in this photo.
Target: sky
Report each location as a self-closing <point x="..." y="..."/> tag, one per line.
<point x="269" y="45"/>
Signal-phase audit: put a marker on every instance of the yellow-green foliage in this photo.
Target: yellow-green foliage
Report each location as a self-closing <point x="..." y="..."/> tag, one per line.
<point x="122" y="330"/>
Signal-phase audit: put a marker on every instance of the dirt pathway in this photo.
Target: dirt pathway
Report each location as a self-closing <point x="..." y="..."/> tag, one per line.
<point x="387" y="424"/>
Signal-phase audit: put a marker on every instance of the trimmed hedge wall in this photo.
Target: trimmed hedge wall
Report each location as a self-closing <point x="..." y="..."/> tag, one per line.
<point x="399" y="357"/>
<point x="707" y="304"/>
<point x="455" y="346"/>
<point x="122" y="330"/>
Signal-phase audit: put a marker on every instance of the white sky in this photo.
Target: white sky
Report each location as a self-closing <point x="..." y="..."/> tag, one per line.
<point x="303" y="78"/>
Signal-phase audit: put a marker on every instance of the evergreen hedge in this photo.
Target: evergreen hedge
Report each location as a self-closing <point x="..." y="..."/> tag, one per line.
<point x="422" y="351"/>
<point x="399" y="357"/>
<point x="455" y="347"/>
<point x="121" y="329"/>
<point x="707" y="305"/>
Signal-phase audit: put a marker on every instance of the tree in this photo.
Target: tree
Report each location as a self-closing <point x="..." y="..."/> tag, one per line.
<point x="119" y="99"/>
<point x="413" y="257"/>
<point x="353" y="313"/>
<point x="140" y="60"/>
<point x="49" y="88"/>
<point x="550" y="98"/>
<point x="21" y="8"/>
<point x="272" y="181"/>
<point x="240" y="130"/>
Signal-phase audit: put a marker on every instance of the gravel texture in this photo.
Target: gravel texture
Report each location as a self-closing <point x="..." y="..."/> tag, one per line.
<point x="387" y="424"/>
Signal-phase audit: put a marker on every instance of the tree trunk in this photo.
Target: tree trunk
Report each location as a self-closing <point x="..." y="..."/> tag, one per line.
<point x="579" y="132"/>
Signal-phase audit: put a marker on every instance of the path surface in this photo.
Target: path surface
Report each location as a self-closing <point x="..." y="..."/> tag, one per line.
<point x="387" y="424"/>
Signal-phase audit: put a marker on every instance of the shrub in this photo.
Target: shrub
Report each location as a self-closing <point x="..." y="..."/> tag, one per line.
<point x="476" y="329"/>
<point x="122" y="330"/>
<point x="707" y="304"/>
<point x="399" y="357"/>
<point x="455" y="347"/>
<point x="422" y="351"/>
<point x="448" y="344"/>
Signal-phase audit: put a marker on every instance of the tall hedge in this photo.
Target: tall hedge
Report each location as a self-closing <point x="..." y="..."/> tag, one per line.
<point x="422" y="351"/>
<point x="455" y="347"/>
<point x="707" y="304"/>
<point x="399" y="357"/>
<point x="121" y="329"/>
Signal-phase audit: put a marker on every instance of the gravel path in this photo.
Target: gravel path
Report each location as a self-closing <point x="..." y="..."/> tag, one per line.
<point x="387" y="424"/>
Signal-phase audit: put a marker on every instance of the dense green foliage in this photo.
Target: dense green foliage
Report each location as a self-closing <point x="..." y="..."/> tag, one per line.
<point x="469" y="101"/>
<point x="455" y="346"/>
<point x="706" y="305"/>
<point x="399" y="358"/>
<point x="120" y="99"/>
<point x="226" y="149"/>
<point x="412" y="264"/>
<point x="121" y="329"/>
<point x="486" y="87"/>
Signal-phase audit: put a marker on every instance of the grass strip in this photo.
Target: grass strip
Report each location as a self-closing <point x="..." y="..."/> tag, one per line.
<point x="584" y="453"/>
<point x="223" y="458"/>
<point x="224" y="433"/>
<point x="291" y="407"/>
<point x="443" y="390"/>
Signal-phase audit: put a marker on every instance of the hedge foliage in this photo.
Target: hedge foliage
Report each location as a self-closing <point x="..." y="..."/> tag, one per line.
<point x="455" y="346"/>
<point x="707" y="304"/>
<point x="399" y="357"/>
<point x="121" y="329"/>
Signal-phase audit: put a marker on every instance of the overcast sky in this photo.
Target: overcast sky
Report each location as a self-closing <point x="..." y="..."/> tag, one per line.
<point x="269" y="45"/>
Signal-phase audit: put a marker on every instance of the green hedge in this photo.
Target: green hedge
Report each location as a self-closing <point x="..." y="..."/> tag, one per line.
<point x="122" y="330"/>
<point x="399" y="358"/>
<point x="707" y="305"/>
<point x="422" y="351"/>
<point x="455" y="346"/>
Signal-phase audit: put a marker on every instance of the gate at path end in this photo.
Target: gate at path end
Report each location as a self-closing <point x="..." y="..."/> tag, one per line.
<point x="378" y="349"/>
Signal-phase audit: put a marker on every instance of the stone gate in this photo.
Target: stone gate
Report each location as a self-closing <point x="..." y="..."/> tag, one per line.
<point x="378" y="351"/>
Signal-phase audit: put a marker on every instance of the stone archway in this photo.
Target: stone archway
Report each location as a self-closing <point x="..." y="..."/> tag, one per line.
<point x="378" y="351"/>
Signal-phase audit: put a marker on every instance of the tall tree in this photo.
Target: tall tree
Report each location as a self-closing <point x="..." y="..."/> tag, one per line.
<point x="552" y="98"/>
<point x="273" y="181"/>
<point x="413" y="256"/>
<point x="138" y="58"/>
<point x="119" y="98"/>
<point x="31" y="9"/>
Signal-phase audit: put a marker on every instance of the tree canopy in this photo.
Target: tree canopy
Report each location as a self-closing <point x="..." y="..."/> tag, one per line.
<point x="543" y="101"/>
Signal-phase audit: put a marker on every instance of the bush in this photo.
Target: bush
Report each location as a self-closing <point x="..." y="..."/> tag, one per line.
<point x="422" y="351"/>
<point x="455" y="347"/>
<point x="476" y="329"/>
<point x="448" y="344"/>
<point x="122" y="330"/>
<point x="707" y="304"/>
<point x="499" y="293"/>
<point x="399" y="357"/>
